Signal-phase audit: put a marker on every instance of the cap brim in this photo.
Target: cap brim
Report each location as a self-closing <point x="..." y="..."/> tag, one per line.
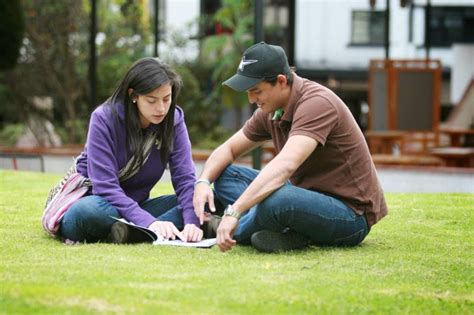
<point x="241" y="83"/>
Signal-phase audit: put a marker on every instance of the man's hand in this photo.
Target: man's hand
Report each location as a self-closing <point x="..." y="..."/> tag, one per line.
<point x="203" y="194"/>
<point x="225" y="231"/>
<point x="167" y="230"/>
<point x="192" y="233"/>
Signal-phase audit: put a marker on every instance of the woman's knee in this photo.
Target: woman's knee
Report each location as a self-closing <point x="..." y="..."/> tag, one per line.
<point x="89" y="208"/>
<point x="88" y="219"/>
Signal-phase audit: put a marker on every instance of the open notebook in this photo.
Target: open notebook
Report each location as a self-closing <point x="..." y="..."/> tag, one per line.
<point x="146" y="235"/>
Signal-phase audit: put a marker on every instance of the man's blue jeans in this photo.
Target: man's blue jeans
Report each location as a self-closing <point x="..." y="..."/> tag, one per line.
<point x="323" y="219"/>
<point x="88" y="219"/>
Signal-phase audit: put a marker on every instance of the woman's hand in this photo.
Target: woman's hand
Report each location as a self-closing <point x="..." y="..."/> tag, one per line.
<point x="192" y="233"/>
<point x="167" y="230"/>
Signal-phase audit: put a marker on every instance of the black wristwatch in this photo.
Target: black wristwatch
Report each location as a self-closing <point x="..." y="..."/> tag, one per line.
<point x="229" y="211"/>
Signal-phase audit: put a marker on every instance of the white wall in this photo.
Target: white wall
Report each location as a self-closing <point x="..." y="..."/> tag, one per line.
<point x="180" y="18"/>
<point x="462" y="71"/>
<point x="323" y="34"/>
<point x="445" y="2"/>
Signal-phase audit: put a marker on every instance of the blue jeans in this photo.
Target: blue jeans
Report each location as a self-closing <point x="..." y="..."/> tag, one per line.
<point x="323" y="219"/>
<point x="88" y="219"/>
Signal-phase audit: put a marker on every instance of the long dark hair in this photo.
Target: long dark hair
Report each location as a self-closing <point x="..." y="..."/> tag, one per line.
<point x="144" y="76"/>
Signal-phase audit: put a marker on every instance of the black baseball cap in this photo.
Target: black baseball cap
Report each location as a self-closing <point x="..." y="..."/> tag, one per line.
<point x="259" y="62"/>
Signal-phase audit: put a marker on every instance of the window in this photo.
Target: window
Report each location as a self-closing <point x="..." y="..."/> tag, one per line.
<point x="451" y="25"/>
<point x="368" y="28"/>
<point x="276" y="23"/>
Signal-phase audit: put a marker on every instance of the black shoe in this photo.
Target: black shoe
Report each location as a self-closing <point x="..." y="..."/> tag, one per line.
<point x="271" y="242"/>
<point x="121" y="233"/>
<point x="118" y="233"/>
<point x="209" y="227"/>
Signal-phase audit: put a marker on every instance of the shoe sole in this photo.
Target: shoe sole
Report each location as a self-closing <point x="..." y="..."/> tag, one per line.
<point x="274" y="242"/>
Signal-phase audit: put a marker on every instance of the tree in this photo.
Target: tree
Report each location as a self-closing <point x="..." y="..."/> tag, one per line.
<point x="52" y="62"/>
<point x="124" y="33"/>
<point x="12" y="26"/>
<point x="55" y="54"/>
<point x="222" y="51"/>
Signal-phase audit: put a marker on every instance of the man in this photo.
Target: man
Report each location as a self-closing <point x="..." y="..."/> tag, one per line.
<point x="321" y="188"/>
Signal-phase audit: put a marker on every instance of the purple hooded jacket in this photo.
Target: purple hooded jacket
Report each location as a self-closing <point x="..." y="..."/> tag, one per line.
<point x="105" y="154"/>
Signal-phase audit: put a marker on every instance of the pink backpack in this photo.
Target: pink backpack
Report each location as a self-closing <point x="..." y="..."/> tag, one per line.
<point x="72" y="187"/>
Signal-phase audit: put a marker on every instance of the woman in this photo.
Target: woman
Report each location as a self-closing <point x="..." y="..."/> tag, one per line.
<point x="132" y="138"/>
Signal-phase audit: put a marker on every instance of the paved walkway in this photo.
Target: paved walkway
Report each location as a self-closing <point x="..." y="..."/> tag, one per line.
<point x="426" y="180"/>
<point x="393" y="179"/>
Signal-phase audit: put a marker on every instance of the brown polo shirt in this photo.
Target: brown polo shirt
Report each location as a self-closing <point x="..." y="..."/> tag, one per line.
<point x="341" y="165"/>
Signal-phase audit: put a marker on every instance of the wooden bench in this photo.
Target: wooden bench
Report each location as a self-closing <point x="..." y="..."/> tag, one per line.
<point x="457" y="136"/>
<point x="380" y="159"/>
<point x="384" y="142"/>
<point x="455" y="156"/>
<point x="201" y="155"/>
<point x="417" y="160"/>
<point x="64" y="150"/>
<point x="268" y="152"/>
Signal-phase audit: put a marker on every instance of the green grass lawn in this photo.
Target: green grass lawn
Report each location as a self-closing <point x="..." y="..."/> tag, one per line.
<point x="418" y="260"/>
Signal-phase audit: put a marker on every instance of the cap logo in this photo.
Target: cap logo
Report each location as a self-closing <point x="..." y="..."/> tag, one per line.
<point x="244" y="63"/>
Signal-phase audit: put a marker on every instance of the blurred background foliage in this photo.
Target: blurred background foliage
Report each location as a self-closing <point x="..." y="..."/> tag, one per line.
<point x="222" y="51"/>
<point x="50" y="61"/>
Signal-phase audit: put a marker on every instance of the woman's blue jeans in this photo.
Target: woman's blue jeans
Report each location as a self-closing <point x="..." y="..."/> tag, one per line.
<point x="323" y="219"/>
<point x="88" y="219"/>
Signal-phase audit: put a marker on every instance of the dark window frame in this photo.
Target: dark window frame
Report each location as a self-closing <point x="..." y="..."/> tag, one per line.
<point x="451" y="24"/>
<point x="374" y="28"/>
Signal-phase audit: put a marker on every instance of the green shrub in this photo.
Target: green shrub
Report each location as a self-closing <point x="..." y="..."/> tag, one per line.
<point x="10" y="133"/>
<point x="202" y="113"/>
<point x="79" y="125"/>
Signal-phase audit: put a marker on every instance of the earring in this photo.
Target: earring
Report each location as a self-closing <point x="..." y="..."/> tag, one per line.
<point x="134" y="101"/>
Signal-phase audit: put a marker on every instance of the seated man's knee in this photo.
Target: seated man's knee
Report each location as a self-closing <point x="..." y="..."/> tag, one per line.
<point x="229" y="183"/>
<point x="279" y="197"/>
<point x="274" y="206"/>
<point x="228" y="172"/>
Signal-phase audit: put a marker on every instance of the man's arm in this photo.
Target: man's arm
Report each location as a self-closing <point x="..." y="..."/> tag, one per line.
<point x="220" y="158"/>
<point x="296" y="150"/>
